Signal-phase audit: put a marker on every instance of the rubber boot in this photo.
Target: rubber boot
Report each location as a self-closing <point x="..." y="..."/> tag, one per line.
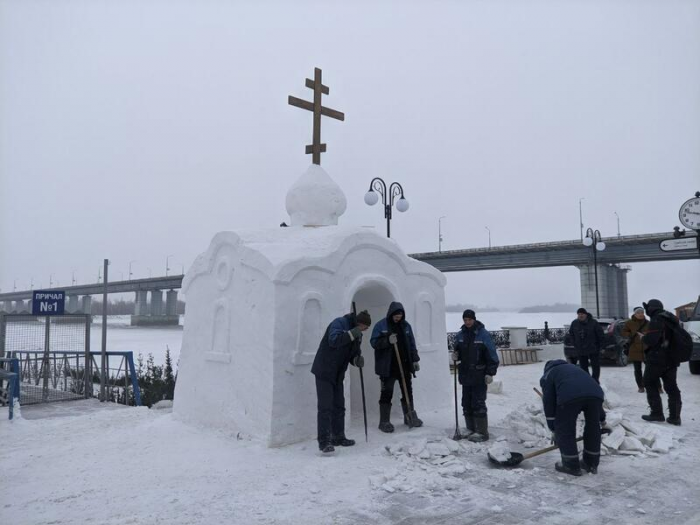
<point x="469" y="420"/>
<point x="342" y="441"/>
<point x="657" y="409"/>
<point x="569" y="466"/>
<point x="588" y="468"/>
<point x="674" y="412"/>
<point x="326" y="448"/>
<point x="385" y="418"/>
<point x="416" y="421"/>
<point x="482" y="429"/>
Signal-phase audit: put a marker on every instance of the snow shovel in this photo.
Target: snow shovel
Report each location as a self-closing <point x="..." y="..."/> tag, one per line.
<point x="410" y="415"/>
<point x="516" y="458"/>
<point x="362" y="387"/>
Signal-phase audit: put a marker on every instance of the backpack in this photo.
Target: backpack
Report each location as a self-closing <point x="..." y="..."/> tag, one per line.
<point x="680" y="343"/>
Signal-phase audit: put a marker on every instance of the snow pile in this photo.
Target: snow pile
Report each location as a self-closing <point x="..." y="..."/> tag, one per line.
<point x="529" y="425"/>
<point x="438" y="465"/>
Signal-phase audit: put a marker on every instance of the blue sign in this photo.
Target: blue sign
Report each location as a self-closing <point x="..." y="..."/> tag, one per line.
<point x="50" y="302"/>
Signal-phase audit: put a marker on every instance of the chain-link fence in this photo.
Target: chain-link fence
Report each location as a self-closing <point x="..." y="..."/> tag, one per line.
<point x="52" y="353"/>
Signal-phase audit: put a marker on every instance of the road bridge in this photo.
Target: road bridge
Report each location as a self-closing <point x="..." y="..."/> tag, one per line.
<point x="612" y="278"/>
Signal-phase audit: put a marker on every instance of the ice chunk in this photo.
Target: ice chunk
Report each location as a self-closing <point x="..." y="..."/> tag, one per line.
<point x="632" y="443"/>
<point x="451" y="445"/>
<point x="495" y="388"/>
<point x="417" y="447"/>
<point x="438" y="449"/>
<point x="615" y="438"/>
<point x="452" y="470"/>
<point x="613" y="419"/>
<point x="632" y="428"/>
<point x="662" y="443"/>
<point x="500" y="451"/>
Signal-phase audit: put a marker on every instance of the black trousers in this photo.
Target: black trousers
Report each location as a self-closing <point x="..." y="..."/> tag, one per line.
<point x="572" y="360"/>
<point x="565" y="429"/>
<point x="595" y="365"/>
<point x="387" y="391"/>
<point x="639" y="373"/>
<point x="331" y="410"/>
<point x="474" y="400"/>
<point x="652" y="375"/>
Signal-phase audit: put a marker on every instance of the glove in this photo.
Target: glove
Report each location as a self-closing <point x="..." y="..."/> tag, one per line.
<point x="488" y="379"/>
<point x="356" y="333"/>
<point x="454" y="356"/>
<point x="359" y="361"/>
<point x="416" y="366"/>
<point x="392" y="339"/>
<point x="491" y="372"/>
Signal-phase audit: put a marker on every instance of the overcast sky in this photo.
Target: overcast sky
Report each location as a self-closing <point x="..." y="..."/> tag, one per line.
<point x="134" y="130"/>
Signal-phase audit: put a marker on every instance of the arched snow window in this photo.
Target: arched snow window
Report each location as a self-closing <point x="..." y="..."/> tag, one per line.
<point x="424" y="322"/>
<point x="221" y="331"/>
<point x="310" y="330"/>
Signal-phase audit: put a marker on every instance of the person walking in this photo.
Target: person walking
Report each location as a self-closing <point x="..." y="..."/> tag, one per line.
<point x="390" y="331"/>
<point x="477" y="362"/>
<point x="567" y="391"/>
<point x="661" y="364"/>
<point x="587" y="337"/>
<point x="339" y="347"/>
<point x="634" y="328"/>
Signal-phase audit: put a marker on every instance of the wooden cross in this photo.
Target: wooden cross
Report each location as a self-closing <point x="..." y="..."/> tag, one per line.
<point x="316" y="148"/>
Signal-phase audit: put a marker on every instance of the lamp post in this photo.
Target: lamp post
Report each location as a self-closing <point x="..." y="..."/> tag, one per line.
<point x="440" y="232"/>
<point x="595" y="241"/>
<point x="487" y="228"/>
<point x="73" y="281"/>
<point x="167" y="267"/>
<point x="395" y="190"/>
<point x="130" y="263"/>
<point x="50" y="280"/>
<point x="580" y="216"/>
<point x="618" y="224"/>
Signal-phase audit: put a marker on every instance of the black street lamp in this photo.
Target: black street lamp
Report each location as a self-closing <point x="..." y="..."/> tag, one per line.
<point x="395" y="189"/>
<point x="595" y="241"/>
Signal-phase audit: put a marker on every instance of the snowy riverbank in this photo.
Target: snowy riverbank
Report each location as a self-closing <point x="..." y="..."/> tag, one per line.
<point x="160" y="470"/>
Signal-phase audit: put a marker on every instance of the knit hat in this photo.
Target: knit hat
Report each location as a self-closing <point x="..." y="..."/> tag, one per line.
<point x="581" y="311"/>
<point x="468" y="314"/>
<point x="363" y="318"/>
<point x="638" y="309"/>
<point x="654" y="305"/>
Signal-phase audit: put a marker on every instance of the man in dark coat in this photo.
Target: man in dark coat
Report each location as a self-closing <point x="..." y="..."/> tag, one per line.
<point x="339" y="347"/>
<point x="661" y="364"/>
<point x="566" y="392"/>
<point x="477" y="360"/>
<point x="390" y="331"/>
<point x="587" y="336"/>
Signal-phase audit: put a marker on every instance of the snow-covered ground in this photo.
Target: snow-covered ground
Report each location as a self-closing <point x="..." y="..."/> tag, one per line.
<point x="134" y="465"/>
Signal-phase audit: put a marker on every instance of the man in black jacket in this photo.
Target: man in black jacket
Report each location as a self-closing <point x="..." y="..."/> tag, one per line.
<point x="390" y="331"/>
<point x="566" y="392"/>
<point x="587" y="337"/>
<point x="661" y="363"/>
<point x="339" y="347"/>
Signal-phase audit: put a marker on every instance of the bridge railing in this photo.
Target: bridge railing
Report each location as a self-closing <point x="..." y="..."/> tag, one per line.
<point x="535" y="337"/>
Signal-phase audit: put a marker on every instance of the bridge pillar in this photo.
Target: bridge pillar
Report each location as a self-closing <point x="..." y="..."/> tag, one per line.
<point x="17" y="307"/>
<point x="141" y="303"/>
<point x="72" y="306"/>
<point x="86" y="304"/>
<point x="156" y="302"/>
<point x="612" y="290"/>
<point x="171" y="302"/>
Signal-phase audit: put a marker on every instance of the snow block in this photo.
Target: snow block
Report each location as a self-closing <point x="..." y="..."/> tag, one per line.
<point x="615" y="438"/>
<point x="632" y="443"/>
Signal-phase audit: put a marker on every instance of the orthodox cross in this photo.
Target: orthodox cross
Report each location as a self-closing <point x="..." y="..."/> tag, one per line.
<point x="316" y="148"/>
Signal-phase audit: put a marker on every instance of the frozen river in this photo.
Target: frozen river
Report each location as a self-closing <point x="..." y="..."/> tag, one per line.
<point x="149" y="340"/>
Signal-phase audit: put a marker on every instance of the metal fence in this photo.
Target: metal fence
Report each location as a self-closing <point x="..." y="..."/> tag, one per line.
<point x="55" y="362"/>
<point x="501" y="339"/>
<point x="541" y="336"/>
<point x="9" y="384"/>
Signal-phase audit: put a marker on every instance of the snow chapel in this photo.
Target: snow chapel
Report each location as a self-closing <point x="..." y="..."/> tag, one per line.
<point x="259" y="301"/>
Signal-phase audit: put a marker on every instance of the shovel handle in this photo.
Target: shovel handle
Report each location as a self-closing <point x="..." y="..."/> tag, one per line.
<point x="544" y="450"/>
<point x="537" y="392"/>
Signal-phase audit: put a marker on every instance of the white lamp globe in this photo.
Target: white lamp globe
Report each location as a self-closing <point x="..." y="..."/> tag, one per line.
<point x="371" y="198"/>
<point x="600" y="246"/>
<point x="587" y="241"/>
<point x="402" y="204"/>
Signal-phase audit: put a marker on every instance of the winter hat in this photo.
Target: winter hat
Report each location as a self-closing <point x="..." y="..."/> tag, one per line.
<point x="581" y="311"/>
<point x="468" y="314"/>
<point x="638" y="309"/>
<point x="654" y="305"/>
<point x="363" y="318"/>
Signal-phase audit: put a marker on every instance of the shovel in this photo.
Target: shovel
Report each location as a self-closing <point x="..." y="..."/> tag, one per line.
<point x="516" y="458"/>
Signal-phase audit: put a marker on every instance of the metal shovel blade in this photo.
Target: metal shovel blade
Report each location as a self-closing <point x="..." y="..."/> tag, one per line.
<point x="515" y="459"/>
